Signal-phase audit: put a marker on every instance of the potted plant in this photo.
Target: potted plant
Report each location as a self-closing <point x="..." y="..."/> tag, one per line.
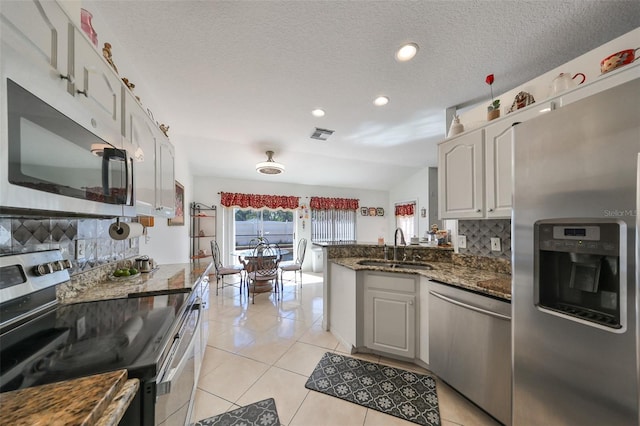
<point x="493" y="110"/>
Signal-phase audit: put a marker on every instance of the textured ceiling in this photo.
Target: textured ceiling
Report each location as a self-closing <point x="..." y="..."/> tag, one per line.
<point x="235" y="78"/>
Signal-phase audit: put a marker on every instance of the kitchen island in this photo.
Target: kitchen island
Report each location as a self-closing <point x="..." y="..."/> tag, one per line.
<point x="447" y="312"/>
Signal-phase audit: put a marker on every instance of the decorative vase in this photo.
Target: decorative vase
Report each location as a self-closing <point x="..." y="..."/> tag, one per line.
<point x="493" y="114"/>
<point x="456" y="127"/>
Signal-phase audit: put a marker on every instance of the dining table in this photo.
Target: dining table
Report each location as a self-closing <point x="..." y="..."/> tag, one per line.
<point x="244" y="256"/>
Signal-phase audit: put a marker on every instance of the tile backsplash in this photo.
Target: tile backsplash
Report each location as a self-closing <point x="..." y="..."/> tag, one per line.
<point x="27" y="234"/>
<point x="479" y="234"/>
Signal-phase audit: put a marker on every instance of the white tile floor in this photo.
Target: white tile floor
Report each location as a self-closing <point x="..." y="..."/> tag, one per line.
<point x="269" y="349"/>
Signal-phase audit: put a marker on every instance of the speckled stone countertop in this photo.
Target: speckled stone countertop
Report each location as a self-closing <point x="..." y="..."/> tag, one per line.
<point x="165" y="277"/>
<point x="456" y="273"/>
<point x="101" y="399"/>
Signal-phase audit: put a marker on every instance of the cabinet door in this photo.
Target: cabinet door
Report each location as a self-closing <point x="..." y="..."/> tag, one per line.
<point x="141" y="138"/>
<point x="390" y="322"/>
<point x="97" y="87"/>
<point x="461" y="176"/>
<point x="40" y="32"/>
<point x="165" y="181"/>
<point x="498" y="164"/>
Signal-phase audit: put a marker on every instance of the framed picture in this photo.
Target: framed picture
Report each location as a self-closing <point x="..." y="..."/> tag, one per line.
<point x="380" y="211"/>
<point x="364" y="211"/>
<point x="372" y="211"/>
<point x="179" y="219"/>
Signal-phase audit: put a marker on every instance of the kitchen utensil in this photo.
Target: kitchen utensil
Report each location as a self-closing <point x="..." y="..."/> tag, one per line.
<point x="618" y="59"/>
<point x="564" y="82"/>
<point x="144" y="263"/>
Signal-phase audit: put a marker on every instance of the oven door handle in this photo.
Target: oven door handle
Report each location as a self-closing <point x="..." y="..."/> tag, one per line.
<point x="164" y="387"/>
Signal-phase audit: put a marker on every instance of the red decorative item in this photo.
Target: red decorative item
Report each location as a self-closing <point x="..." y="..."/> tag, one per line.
<point x="489" y="80"/>
<point x="405" y="209"/>
<point x="257" y="201"/>
<point x="325" y="203"/>
<point x="85" y="24"/>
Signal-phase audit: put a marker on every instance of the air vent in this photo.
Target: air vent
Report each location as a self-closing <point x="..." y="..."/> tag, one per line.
<point x="321" y="134"/>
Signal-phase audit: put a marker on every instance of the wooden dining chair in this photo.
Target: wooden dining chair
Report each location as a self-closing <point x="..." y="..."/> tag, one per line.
<point x="296" y="265"/>
<point x="224" y="270"/>
<point x="262" y="267"/>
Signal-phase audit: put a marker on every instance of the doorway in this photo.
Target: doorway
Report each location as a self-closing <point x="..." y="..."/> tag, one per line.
<point x="277" y="226"/>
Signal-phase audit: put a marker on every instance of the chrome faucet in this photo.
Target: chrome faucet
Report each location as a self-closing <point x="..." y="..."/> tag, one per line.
<point x="395" y="243"/>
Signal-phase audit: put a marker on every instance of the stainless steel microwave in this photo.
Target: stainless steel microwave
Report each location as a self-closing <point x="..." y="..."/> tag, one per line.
<point x="52" y="163"/>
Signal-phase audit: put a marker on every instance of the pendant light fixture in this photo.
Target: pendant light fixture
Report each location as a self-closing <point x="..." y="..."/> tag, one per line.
<point x="269" y="167"/>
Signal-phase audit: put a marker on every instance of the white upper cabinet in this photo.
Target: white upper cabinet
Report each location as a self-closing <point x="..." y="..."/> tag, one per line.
<point x="475" y="169"/>
<point x="498" y="164"/>
<point x="39" y="31"/>
<point x="165" y="177"/>
<point x="461" y="176"/>
<point x="153" y="156"/>
<point x="141" y="141"/>
<point x="96" y="86"/>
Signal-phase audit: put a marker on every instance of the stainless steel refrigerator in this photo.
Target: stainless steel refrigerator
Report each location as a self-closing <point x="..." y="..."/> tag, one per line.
<point x="575" y="254"/>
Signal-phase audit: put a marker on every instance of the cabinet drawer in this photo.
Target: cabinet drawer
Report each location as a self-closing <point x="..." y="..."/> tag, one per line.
<point x="390" y="281"/>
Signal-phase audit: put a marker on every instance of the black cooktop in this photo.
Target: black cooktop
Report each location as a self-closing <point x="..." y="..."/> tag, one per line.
<point x="89" y="338"/>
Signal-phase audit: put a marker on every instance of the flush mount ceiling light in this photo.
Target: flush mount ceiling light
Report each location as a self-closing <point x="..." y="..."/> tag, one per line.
<point x="269" y="167"/>
<point x="317" y="112"/>
<point x="380" y="101"/>
<point x="406" y="52"/>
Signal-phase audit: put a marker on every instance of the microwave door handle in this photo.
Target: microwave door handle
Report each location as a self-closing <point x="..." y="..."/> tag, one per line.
<point x="105" y="173"/>
<point x="164" y="387"/>
<point x="129" y="178"/>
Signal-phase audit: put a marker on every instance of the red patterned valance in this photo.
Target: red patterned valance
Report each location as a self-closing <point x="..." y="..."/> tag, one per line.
<point x="325" y="203"/>
<point x="405" y="209"/>
<point x="257" y="201"/>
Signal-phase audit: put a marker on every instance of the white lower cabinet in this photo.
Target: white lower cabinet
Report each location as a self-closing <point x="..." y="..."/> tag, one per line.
<point x="390" y="313"/>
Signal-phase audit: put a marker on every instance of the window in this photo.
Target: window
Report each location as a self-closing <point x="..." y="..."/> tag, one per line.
<point x="275" y="225"/>
<point x="406" y="219"/>
<point x="333" y="225"/>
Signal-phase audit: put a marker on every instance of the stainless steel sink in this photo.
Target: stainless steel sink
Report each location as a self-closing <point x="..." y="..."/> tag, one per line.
<point x="396" y="265"/>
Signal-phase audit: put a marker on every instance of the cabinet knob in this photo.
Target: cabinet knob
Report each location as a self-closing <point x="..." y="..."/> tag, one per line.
<point x="490" y="210"/>
<point x="410" y="302"/>
<point x="478" y="211"/>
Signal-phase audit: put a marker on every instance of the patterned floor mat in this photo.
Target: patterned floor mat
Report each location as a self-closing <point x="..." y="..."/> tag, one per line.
<point x="261" y="413"/>
<point x="405" y="394"/>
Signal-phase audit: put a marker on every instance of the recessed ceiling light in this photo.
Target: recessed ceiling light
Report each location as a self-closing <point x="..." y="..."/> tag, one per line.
<point x="318" y="112"/>
<point x="381" y="100"/>
<point x="406" y="52"/>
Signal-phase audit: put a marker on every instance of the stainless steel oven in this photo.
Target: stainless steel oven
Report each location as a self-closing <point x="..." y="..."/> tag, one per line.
<point x="152" y="335"/>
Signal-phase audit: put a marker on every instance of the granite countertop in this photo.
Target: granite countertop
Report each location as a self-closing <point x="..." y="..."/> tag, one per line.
<point x="165" y="277"/>
<point x="101" y="399"/>
<point x="478" y="280"/>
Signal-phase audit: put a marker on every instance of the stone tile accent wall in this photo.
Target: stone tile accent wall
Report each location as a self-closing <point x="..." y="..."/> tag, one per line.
<point x="479" y="232"/>
<point x="28" y="234"/>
